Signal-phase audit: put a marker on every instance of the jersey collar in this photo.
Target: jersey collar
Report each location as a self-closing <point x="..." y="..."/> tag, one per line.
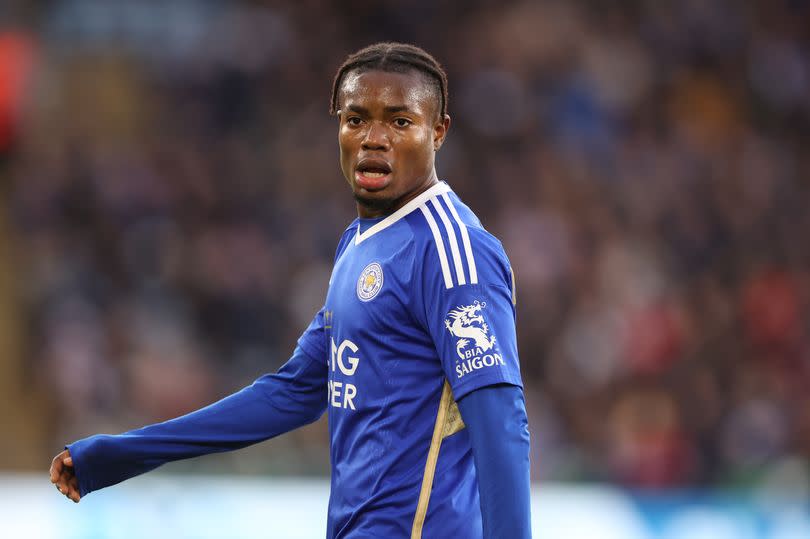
<point x="437" y="189"/>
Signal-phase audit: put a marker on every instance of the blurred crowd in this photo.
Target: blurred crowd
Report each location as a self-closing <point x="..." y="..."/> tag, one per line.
<point x="176" y="202"/>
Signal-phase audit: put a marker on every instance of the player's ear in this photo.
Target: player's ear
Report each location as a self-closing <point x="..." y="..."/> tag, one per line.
<point x="440" y="131"/>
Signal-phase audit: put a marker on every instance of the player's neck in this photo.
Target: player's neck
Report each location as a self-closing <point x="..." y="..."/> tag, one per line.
<point x="365" y="212"/>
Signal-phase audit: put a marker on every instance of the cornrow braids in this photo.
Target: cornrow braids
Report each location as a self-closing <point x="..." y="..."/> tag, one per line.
<point x="392" y="57"/>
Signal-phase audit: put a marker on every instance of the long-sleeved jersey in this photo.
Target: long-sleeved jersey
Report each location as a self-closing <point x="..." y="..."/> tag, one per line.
<point x="419" y="313"/>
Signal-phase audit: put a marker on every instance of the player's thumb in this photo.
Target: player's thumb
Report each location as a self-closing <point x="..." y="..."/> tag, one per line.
<point x="68" y="461"/>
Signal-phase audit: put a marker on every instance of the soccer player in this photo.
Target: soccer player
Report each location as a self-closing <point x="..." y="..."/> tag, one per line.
<point x="413" y="354"/>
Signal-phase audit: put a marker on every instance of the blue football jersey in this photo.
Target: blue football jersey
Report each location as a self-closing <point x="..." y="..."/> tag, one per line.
<point x="419" y="312"/>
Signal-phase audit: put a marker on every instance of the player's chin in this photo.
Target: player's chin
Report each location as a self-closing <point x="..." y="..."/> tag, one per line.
<point x="375" y="201"/>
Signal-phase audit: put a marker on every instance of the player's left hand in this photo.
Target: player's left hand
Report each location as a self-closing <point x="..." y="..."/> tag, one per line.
<point x="63" y="475"/>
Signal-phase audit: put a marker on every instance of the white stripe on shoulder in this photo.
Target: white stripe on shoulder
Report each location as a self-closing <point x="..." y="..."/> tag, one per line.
<point x="465" y="238"/>
<point x="451" y="239"/>
<point x="437" y="237"/>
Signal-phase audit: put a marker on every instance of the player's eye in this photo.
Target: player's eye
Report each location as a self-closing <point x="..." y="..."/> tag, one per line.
<point x="354" y="120"/>
<point x="402" y="122"/>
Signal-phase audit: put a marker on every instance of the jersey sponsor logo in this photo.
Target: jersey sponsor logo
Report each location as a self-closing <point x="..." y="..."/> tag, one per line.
<point x="370" y="282"/>
<point x="475" y="347"/>
<point x="341" y="394"/>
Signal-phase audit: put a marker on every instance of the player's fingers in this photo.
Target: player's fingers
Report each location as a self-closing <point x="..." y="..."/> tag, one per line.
<point x="73" y="489"/>
<point x="64" y="488"/>
<point x="56" y="468"/>
<point x="68" y="461"/>
<point x="63" y="482"/>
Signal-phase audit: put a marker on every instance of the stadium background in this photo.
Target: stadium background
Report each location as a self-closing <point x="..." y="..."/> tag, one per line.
<point x="170" y="202"/>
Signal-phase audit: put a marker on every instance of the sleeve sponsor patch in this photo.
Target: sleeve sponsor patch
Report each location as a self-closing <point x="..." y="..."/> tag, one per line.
<point x="475" y="347"/>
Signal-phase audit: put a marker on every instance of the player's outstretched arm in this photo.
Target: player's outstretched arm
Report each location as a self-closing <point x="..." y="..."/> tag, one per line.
<point x="495" y="417"/>
<point x="272" y="405"/>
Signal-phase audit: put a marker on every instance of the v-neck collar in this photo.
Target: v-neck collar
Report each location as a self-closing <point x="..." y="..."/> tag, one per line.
<point x="435" y="190"/>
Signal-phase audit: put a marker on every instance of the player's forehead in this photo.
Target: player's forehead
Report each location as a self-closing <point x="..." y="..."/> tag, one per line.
<point x="379" y="88"/>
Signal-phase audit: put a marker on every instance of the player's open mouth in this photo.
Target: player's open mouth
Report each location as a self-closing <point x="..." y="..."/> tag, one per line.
<point x="372" y="174"/>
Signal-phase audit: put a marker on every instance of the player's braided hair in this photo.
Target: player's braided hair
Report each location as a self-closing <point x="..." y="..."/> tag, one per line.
<point x="392" y="57"/>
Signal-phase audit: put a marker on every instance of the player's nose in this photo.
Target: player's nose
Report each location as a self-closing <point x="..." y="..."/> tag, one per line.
<point x="376" y="138"/>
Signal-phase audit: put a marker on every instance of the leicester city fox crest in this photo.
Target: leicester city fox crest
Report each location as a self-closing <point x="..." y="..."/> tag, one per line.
<point x="467" y="324"/>
<point x="370" y="282"/>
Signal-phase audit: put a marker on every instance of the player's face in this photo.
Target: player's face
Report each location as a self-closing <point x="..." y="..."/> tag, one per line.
<point x="390" y="129"/>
